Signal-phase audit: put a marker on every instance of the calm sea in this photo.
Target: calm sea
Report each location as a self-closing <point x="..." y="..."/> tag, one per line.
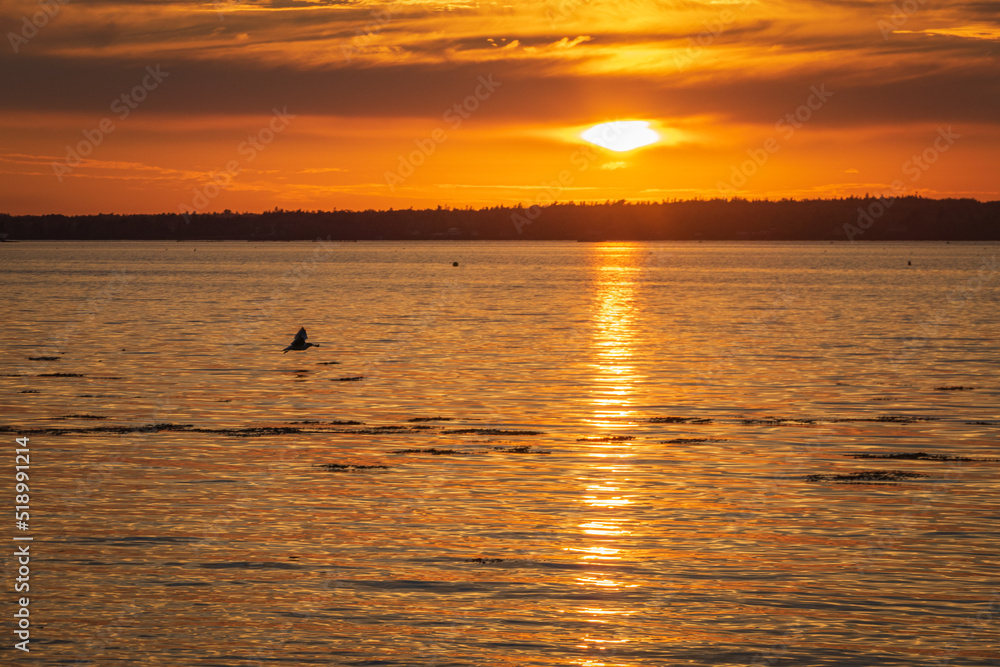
<point x="551" y="454"/>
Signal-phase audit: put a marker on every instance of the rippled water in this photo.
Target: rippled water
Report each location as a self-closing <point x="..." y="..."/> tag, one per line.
<point x="626" y="454"/>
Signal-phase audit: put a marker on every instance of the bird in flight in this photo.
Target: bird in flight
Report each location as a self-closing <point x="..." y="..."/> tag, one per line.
<point x="300" y="342"/>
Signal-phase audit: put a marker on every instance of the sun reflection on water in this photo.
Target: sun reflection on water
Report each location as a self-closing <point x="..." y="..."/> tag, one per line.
<point x="614" y="329"/>
<point x="605" y="496"/>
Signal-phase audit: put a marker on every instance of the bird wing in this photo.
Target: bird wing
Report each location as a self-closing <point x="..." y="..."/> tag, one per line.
<point x="300" y="337"/>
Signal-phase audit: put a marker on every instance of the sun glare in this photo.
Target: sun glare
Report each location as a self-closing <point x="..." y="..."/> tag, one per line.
<point x="621" y="135"/>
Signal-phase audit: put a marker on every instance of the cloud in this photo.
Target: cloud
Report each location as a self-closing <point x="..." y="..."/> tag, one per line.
<point x="984" y="32"/>
<point x="367" y="77"/>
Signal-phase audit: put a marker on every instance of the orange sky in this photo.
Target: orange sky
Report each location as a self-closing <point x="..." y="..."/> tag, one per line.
<point x="133" y="107"/>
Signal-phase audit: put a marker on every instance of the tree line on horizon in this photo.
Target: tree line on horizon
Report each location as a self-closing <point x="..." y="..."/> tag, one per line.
<point x="845" y="219"/>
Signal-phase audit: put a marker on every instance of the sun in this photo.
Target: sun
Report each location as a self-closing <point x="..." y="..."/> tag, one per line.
<point x="621" y="135"/>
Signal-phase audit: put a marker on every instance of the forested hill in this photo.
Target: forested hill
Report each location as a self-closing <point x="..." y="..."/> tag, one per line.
<point x="856" y="219"/>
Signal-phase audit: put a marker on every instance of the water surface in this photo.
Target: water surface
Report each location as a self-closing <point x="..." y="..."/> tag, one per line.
<point x="556" y="454"/>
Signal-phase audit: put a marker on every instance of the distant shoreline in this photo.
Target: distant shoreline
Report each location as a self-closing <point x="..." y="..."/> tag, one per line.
<point x="846" y="219"/>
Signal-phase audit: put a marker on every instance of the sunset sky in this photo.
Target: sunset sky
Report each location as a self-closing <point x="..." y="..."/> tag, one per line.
<point x="146" y="106"/>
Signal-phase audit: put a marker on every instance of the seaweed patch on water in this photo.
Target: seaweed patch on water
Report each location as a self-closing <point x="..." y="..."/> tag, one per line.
<point x="29" y="391"/>
<point x="884" y="419"/>
<point x="336" y="422"/>
<point x="770" y="420"/>
<point x="983" y="423"/>
<point x="308" y="427"/>
<point x="352" y="378"/>
<point x="914" y="456"/>
<point x="483" y="561"/>
<point x="902" y="419"/>
<point x="145" y="428"/>
<point x="60" y="375"/>
<point x="380" y="430"/>
<point x="677" y="420"/>
<point x="44" y="358"/>
<point x="489" y="431"/>
<point x="431" y="419"/>
<point x="690" y="441"/>
<point x="328" y="363"/>
<point x="521" y="449"/>
<point x="253" y="431"/>
<point x="867" y="477"/>
<point x="250" y="565"/>
<point x="350" y="467"/>
<point x="607" y="438"/>
<point x="432" y="450"/>
<point x="953" y="388"/>
<point x="239" y="432"/>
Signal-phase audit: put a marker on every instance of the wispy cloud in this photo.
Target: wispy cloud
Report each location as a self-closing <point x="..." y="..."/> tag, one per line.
<point x="368" y="78"/>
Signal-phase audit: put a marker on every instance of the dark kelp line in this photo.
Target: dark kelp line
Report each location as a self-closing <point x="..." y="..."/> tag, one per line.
<point x="770" y="420"/>
<point x="421" y="423"/>
<point x="867" y="476"/>
<point x="916" y="456"/>
<point x="245" y="432"/>
<point x="489" y="431"/>
<point x="351" y="467"/>
<point x="691" y="441"/>
<point x="521" y="449"/>
<point x="433" y="450"/>
<point x="516" y="449"/>
<point x="676" y="420"/>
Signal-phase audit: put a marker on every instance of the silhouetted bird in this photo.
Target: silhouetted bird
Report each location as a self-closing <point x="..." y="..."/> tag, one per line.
<point x="300" y="342"/>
